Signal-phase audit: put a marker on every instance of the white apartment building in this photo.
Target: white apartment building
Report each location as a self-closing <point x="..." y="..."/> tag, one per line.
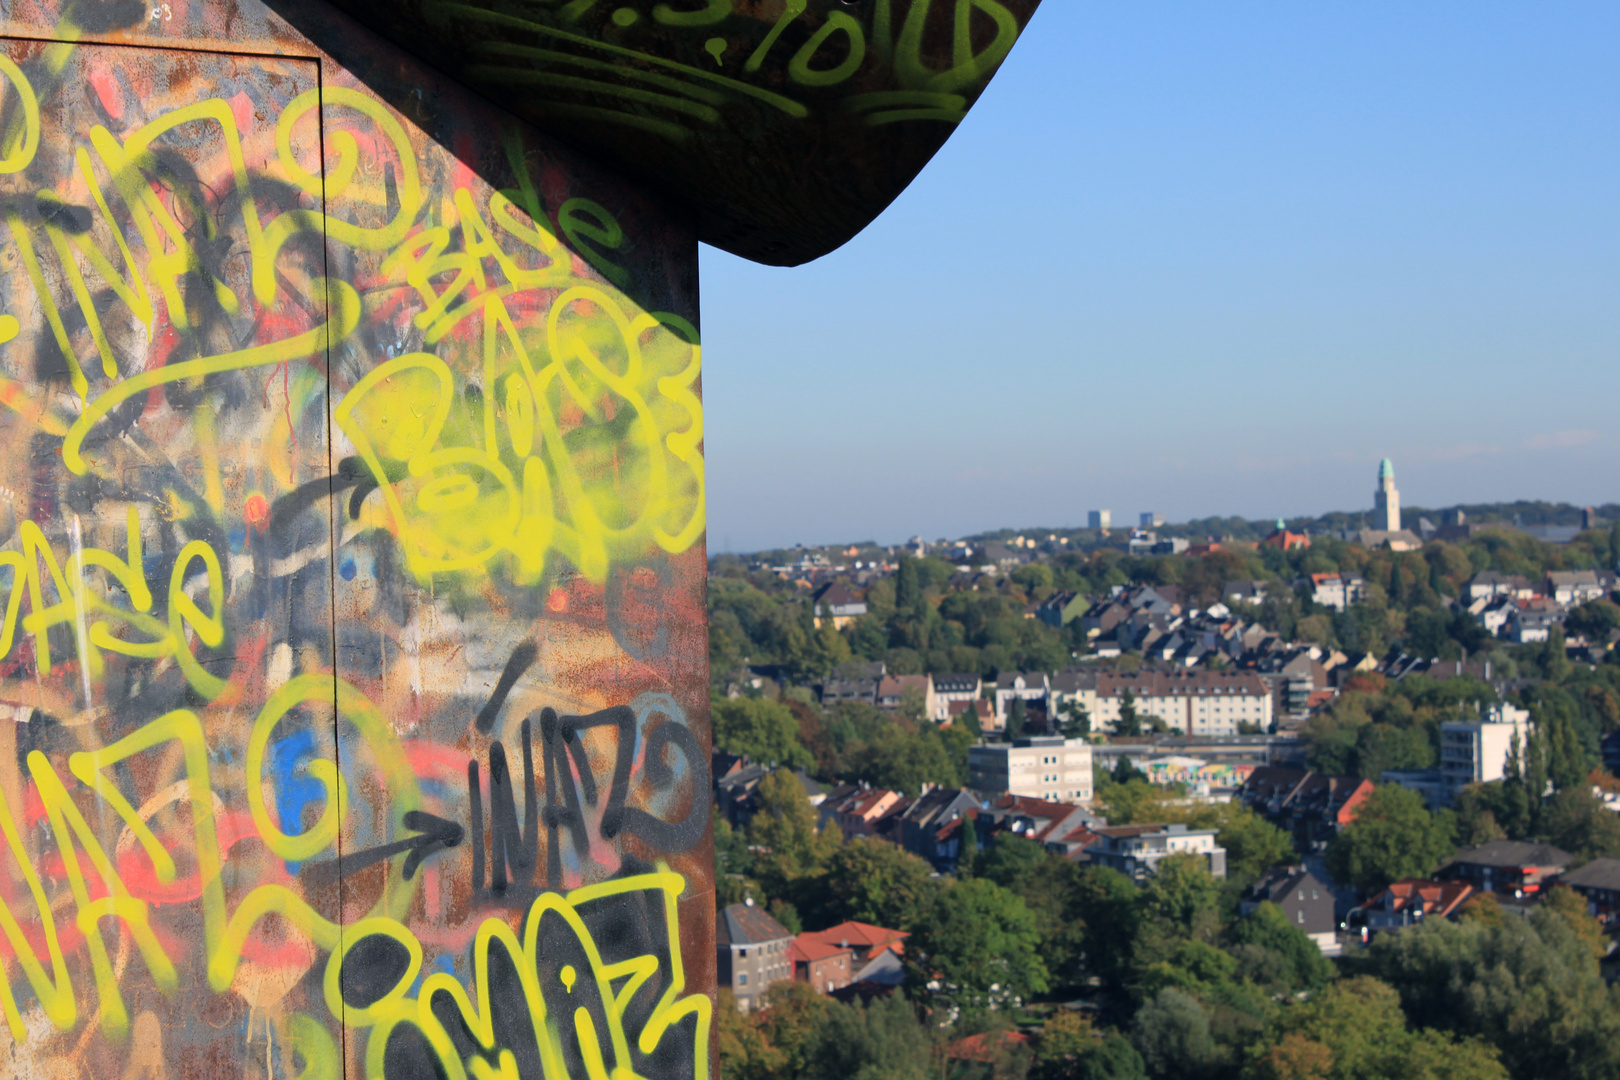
<point x="1055" y="769"/>
<point x="1137" y="850"/>
<point x="1190" y="702"/>
<point x="1476" y="751"/>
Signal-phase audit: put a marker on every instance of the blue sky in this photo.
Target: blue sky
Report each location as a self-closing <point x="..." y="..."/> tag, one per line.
<point x="1203" y="259"/>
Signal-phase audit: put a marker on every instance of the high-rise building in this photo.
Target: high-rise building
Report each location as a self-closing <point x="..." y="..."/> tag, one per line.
<point x="1387" y="500"/>
<point x="1100" y="519"/>
<point x="1151" y="520"/>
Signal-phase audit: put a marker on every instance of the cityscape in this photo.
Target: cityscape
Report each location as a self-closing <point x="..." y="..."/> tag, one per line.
<point x="1121" y="790"/>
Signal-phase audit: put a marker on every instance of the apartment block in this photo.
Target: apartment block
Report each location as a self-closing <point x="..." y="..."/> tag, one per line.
<point x="1041" y="768"/>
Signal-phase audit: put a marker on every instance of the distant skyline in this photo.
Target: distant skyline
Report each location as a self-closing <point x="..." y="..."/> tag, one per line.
<point x="1202" y="260"/>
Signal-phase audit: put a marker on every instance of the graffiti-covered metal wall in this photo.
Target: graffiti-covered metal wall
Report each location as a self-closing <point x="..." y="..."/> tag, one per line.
<point x="352" y="659"/>
<point x="353" y="691"/>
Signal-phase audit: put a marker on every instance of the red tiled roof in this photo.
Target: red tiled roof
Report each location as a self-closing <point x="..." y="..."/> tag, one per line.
<point x="858" y="935"/>
<point x="808" y="948"/>
<point x="986" y="1046"/>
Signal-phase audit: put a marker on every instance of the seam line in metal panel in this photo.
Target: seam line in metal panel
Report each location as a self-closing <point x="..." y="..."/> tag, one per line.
<point x="182" y="45"/>
<point x="334" y="529"/>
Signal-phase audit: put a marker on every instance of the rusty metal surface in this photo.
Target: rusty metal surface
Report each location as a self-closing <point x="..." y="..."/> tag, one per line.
<point x="351" y="527"/>
<point x="782" y="126"/>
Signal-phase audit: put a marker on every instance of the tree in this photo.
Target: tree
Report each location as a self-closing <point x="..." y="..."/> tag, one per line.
<point x="1129" y="723"/>
<point x="1070" y="1050"/>
<point x="765" y="731"/>
<point x="882" y="1040"/>
<point x="1301" y="965"/>
<point x="1530" y="987"/>
<point x="1172" y="1035"/>
<point x="785" y="827"/>
<point x="1393" y="836"/>
<point x="967" y="856"/>
<point x="1355" y="1030"/>
<point x="871" y="881"/>
<point x="1182" y="892"/>
<point x="1076" y="721"/>
<point x="1577" y="821"/>
<point x="978" y="947"/>
<point x="745" y="1053"/>
<point x="1594" y="620"/>
<point x="1017" y="713"/>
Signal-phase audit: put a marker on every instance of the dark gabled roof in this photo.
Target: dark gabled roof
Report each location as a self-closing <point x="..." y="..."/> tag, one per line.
<point x="1513" y="853"/>
<point x="1280" y="881"/>
<point x="745" y="924"/>
<point x="1597" y="874"/>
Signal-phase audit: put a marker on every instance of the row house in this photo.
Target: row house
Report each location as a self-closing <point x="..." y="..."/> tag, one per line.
<point x="857" y="809"/>
<point x="1063" y="828"/>
<point x="1309" y="806"/>
<point x="930" y="827"/>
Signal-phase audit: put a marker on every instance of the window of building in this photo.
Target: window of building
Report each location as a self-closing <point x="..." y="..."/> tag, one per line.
<point x="742" y="978"/>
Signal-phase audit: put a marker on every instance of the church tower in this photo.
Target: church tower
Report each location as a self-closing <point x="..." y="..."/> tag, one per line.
<point x="1386" y="500"/>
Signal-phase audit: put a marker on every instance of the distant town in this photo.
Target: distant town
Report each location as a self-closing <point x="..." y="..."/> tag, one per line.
<point x="1410" y="717"/>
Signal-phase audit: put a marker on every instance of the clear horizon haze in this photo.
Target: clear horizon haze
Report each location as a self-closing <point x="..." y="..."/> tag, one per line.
<point x="1202" y="260"/>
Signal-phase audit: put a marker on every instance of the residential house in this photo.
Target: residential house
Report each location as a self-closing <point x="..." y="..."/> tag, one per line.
<point x="1531" y="621"/>
<point x="734" y="789"/>
<point x="1494" y="613"/>
<point x="856" y="809"/>
<point x="1305" y="902"/>
<point x="1137" y="850"/>
<point x="853" y="691"/>
<point x="1394" y="539"/>
<point x="1309" y="806"/>
<point x="1030" y="686"/>
<point x="838" y="602"/>
<point x="1285" y="540"/>
<point x="1410" y="901"/>
<point x="1248" y="592"/>
<point x="1519" y="867"/>
<point x="864" y="941"/>
<point x="752" y="952"/>
<point x="892" y="690"/>
<point x="954" y="687"/>
<point x="1062" y="828"/>
<point x="1572" y="587"/>
<point x="1599" y="882"/>
<point x="1042" y="768"/>
<point x="1337" y="591"/>
<point x="983" y="713"/>
<point x="931" y="826"/>
<point x="824" y="967"/>
<point x="1488" y="585"/>
<point x="1062" y="608"/>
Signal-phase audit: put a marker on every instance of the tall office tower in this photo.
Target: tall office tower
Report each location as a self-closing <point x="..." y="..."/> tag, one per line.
<point x="1387" y="500"/>
<point x="1101" y="519"/>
